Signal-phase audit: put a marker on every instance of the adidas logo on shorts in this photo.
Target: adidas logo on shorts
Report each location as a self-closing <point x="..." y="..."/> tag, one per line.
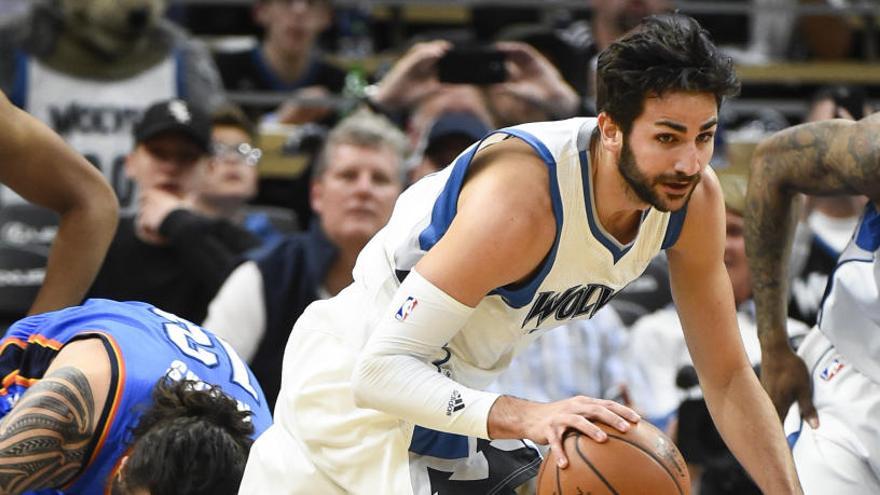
<point x="455" y="404"/>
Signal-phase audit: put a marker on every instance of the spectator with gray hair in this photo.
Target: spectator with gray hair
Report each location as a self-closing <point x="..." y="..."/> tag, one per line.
<point x="356" y="181"/>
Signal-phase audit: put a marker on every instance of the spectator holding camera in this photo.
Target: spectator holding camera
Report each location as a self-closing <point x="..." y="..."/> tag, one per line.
<point x="532" y="88"/>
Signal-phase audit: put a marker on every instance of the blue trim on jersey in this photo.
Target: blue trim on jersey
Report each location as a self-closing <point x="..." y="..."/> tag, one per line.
<point x="617" y="251"/>
<point x="793" y="437"/>
<point x="18" y="95"/>
<point x="826" y="248"/>
<point x="673" y="227"/>
<point x="868" y="232"/>
<point x="446" y="206"/>
<point x="180" y="74"/>
<point x="438" y="444"/>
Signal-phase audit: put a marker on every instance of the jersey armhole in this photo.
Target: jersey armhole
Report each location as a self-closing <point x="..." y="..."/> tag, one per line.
<point x="673" y="228"/>
<point x="111" y="405"/>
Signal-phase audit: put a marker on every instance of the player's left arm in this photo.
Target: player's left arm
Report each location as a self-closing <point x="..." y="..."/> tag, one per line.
<point x="39" y="166"/>
<point x="46" y="438"/>
<point x="703" y="295"/>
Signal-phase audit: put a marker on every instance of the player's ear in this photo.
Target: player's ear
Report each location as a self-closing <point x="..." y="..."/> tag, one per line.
<point x="611" y="133"/>
<point x="120" y="471"/>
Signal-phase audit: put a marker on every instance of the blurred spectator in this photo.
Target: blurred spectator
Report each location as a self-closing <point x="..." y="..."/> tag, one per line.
<point x="610" y="21"/>
<point x="811" y="260"/>
<point x="827" y="36"/>
<point x="534" y="89"/>
<point x="89" y="68"/>
<point x="13" y="7"/>
<point x="648" y="293"/>
<point x="167" y="254"/>
<point x="585" y="357"/>
<point x="231" y="179"/>
<point x="665" y="371"/>
<point x="614" y="18"/>
<point x="777" y="32"/>
<point x="286" y="60"/>
<point x="450" y="134"/>
<point x="358" y="177"/>
<point x="37" y="164"/>
<point x="450" y="98"/>
<point x="833" y="219"/>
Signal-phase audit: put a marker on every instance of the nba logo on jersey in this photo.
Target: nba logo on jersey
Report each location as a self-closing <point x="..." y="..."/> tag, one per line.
<point x="406" y="308"/>
<point x="831" y="370"/>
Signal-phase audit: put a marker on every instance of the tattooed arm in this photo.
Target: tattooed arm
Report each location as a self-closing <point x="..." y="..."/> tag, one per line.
<point x="820" y="158"/>
<point x="46" y="438"/>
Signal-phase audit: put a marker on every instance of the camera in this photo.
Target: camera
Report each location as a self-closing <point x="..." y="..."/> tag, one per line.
<point x="472" y="65"/>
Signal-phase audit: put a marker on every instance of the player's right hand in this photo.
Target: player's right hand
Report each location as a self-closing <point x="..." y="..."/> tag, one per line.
<point x="786" y="379"/>
<point x="579" y="413"/>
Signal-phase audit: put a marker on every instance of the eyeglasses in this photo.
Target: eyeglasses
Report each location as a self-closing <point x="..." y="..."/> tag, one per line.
<point x="237" y="153"/>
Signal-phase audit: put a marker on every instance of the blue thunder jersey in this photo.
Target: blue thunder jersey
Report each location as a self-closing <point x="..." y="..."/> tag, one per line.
<point x="144" y="344"/>
<point x="850" y="312"/>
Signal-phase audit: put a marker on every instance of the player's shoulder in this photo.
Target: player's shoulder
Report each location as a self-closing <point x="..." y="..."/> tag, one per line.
<point x="706" y="204"/>
<point x="512" y="171"/>
<point x="704" y="216"/>
<point x="708" y="191"/>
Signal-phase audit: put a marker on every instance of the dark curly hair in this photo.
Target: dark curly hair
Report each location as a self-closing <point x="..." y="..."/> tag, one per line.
<point x="193" y="440"/>
<point x="665" y="53"/>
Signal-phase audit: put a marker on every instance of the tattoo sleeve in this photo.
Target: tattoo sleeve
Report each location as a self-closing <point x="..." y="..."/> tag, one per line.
<point x="45" y="437"/>
<point x="821" y="158"/>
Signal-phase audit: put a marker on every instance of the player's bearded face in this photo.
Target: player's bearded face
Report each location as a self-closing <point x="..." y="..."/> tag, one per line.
<point x="655" y="190"/>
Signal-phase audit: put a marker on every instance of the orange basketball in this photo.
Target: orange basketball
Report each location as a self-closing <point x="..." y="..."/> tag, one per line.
<point x="638" y="462"/>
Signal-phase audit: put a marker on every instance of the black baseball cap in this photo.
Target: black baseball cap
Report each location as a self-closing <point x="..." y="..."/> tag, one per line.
<point x="175" y="116"/>
<point x="465" y="124"/>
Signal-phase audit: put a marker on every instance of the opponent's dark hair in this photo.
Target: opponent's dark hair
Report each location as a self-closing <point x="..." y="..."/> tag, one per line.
<point x="669" y="52"/>
<point x="193" y="440"/>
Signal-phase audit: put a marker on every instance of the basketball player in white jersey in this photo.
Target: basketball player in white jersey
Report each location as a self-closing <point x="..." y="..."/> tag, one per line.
<point x="39" y="166"/>
<point x="382" y="388"/>
<point x="835" y="376"/>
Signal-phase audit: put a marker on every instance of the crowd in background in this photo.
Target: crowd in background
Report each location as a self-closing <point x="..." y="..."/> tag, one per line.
<point x="250" y="176"/>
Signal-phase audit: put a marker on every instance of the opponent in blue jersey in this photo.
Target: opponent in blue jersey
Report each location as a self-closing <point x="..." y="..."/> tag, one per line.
<point x="113" y="397"/>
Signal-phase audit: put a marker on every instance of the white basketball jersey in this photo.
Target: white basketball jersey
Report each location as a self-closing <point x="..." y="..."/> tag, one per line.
<point x="850" y="313"/>
<point x="584" y="269"/>
<point x="95" y="117"/>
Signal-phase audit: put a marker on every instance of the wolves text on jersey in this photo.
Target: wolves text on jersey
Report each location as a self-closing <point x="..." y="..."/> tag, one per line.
<point x="571" y="303"/>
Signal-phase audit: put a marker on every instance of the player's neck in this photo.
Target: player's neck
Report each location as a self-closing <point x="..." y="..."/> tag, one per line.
<point x="617" y="207"/>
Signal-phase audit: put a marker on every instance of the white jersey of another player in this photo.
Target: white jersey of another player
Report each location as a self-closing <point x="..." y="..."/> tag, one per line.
<point x="843" y="357"/>
<point x="342" y="448"/>
<point x="850" y="313"/>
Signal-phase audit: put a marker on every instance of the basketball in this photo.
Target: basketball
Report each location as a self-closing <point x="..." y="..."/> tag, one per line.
<point x="640" y="461"/>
